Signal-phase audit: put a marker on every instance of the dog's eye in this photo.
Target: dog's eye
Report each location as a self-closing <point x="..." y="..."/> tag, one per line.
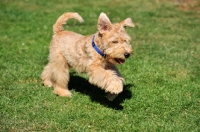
<point x="127" y="41"/>
<point x="114" y="42"/>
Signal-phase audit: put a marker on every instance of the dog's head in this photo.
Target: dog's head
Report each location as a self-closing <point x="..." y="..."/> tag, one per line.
<point x="113" y="39"/>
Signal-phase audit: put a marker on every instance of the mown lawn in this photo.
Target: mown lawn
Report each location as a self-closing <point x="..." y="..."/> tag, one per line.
<point x="162" y="90"/>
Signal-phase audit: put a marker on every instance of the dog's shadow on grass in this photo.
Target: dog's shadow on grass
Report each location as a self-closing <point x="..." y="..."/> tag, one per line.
<point x="82" y="86"/>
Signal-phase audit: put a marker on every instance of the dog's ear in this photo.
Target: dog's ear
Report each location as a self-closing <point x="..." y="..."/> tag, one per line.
<point x="104" y="24"/>
<point x="127" y="22"/>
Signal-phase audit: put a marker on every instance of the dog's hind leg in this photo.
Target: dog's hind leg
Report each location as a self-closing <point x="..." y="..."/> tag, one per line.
<point x="46" y="76"/>
<point x="60" y="75"/>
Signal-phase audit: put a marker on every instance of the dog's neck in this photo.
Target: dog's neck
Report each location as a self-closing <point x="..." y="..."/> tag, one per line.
<point x="97" y="49"/>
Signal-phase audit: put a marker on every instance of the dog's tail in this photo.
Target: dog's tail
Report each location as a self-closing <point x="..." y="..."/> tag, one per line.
<point x="58" y="26"/>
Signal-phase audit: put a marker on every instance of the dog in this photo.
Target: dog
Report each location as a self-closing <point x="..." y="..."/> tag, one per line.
<point x="96" y="54"/>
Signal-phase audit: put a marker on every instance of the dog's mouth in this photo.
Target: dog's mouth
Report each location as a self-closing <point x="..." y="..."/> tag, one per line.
<point x="120" y="61"/>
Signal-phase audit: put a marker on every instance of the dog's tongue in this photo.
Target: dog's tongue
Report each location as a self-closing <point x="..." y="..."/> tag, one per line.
<point x="120" y="61"/>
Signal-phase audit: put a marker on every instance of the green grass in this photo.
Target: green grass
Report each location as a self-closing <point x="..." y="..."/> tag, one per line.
<point x="162" y="90"/>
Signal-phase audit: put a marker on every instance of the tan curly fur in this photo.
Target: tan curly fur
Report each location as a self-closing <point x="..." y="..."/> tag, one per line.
<point x="72" y="50"/>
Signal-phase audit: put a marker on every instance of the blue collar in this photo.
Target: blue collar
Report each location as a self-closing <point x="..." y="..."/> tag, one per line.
<point x="97" y="49"/>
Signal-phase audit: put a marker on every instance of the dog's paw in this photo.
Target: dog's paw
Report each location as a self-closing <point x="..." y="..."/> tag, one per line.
<point x="62" y="92"/>
<point x="111" y="97"/>
<point x="47" y="83"/>
<point x="115" y="87"/>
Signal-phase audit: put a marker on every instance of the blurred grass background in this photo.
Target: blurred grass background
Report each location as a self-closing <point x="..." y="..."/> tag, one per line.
<point x="162" y="90"/>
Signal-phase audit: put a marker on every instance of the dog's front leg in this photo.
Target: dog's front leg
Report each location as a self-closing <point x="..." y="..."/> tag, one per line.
<point x="108" y="79"/>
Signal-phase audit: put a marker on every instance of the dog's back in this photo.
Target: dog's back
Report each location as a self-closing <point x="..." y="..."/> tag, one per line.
<point x="64" y="40"/>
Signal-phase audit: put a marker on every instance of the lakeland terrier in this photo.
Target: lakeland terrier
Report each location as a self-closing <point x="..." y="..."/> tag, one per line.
<point x="96" y="54"/>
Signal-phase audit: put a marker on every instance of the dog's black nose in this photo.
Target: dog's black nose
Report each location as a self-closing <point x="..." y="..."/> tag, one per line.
<point x="126" y="55"/>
